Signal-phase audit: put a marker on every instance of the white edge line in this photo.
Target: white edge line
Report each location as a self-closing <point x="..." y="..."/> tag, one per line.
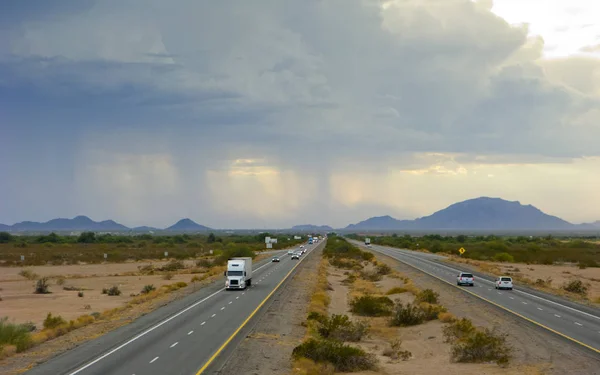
<point x="518" y="291"/>
<point x="151" y="329"/>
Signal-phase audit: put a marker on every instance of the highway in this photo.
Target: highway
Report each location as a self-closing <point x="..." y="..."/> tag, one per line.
<point x="580" y="325"/>
<point x="186" y="337"/>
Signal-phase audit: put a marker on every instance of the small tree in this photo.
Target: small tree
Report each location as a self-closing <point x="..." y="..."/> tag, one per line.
<point x="87" y="237"/>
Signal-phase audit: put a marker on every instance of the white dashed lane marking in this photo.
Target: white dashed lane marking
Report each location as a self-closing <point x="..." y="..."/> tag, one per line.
<point x="175" y="343"/>
<point x="558" y="316"/>
<point x="155" y="358"/>
<point x="203" y="323"/>
<point x="213" y="315"/>
<point x="190" y="332"/>
<point x="579" y="324"/>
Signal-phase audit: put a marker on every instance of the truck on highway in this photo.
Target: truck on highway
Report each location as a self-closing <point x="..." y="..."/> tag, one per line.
<point x="239" y="273"/>
<point x="368" y="241"/>
<point x="310" y="240"/>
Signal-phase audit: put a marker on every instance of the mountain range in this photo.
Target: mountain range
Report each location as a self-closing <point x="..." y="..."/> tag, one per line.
<point x="482" y="213"/>
<point x="84" y="223"/>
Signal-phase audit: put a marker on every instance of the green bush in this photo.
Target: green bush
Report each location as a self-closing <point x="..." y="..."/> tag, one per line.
<point x="405" y="315"/>
<point x="340" y="327"/>
<point x="53" y="321"/>
<point x="148" y="288"/>
<point x="384" y="269"/>
<point x="28" y="274"/>
<point x="504" y="257"/>
<point x="458" y="329"/>
<point x="428" y="296"/>
<point x="431" y="311"/>
<point x="343" y="357"/>
<point x="481" y="346"/>
<point x="112" y="291"/>
<point x="206" y="263"/>
<point x="576" y="286"/>
<point x="371" y="306"/>
<point x="15" y="334"/>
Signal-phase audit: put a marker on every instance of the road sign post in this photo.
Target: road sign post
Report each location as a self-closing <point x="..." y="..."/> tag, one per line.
<point x="461" y="250"/>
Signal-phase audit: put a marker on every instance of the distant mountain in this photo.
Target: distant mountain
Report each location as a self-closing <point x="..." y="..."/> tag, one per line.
<point x="78" y="223"/>
<point x="145" y="229"/>
<point x="381" y="222"/>
<point x="186" y="225"/>
<point x="479" y="213"/>
<point x="4" y="228"/>
<point x="311" y="228"/>
<point x="594" y="225"/>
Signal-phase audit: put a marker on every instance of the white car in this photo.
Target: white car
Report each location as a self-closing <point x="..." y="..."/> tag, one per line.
<point x="503" y="282"/>
<point x="301" y="246"/>
<point x="290" y="252"/>
<point x="465" y="278"/>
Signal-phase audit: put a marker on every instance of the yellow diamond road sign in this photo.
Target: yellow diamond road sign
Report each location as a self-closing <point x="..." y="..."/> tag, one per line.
<point x="461" y="250"/>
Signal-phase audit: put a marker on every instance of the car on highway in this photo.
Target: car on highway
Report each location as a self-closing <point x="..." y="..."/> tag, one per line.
<point x="503" y="282"/>
<point x="301" y="246"/>
<point x="290" y="252"/>
<point x="295" y="256"/>
<point x="465" y="278"/>
<point x="275" y="259"/>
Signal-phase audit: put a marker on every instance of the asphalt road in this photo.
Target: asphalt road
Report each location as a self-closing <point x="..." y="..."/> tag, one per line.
<point x="560" y="317"/>
<point x="185" y="338"/>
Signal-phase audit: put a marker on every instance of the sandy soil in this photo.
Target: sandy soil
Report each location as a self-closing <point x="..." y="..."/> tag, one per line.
<point x="268" y="348"/>
<point x="555" y="276"/>
<point x="535" y="351"/>
<point x="18" y="363"/>
<point x="21" y="305"/>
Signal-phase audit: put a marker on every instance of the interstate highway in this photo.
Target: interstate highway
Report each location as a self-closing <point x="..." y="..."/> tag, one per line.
<point x="186" y="337"/>
<point x="560" y="317"/>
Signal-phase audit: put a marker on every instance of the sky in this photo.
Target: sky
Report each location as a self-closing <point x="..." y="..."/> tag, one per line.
<point x="271" y="113"/>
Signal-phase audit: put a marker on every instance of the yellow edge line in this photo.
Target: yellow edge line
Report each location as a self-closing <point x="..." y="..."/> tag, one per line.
<point x="500" y="306"/>
<point x="214" y="356"/>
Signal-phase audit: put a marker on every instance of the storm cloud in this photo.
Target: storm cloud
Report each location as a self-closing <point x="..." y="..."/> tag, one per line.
<point x="274" y="113"/>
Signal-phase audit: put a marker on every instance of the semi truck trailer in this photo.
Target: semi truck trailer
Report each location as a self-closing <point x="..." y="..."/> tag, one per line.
<point x="239" y="273"/>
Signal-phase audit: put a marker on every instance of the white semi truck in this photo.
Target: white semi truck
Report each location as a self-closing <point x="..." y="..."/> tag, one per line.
<point x="368" y="241"/>
<point x="239" y="273"/>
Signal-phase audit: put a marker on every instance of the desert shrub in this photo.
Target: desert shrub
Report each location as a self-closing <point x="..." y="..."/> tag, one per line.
<point x="395" y="351"/>
<point x="384" y="269"/>
<point x="79" y="294"/>
<point x="371" y="306"/>
<point x="481" y="346"/>
<point x="431" y="311"/>
<point x="446" y="317"/>
<point x="173" y="265"/>
<point x="396" y="290"/>
<point x="343" y="357"/>
<point x="340" y="327"/>
<point x="458" y="329"/>
<point x="71" y="288"/>
<point x="42" y="286"/>
<point x="405" y="315"/>
<point x="305" y="366"/>
<point x="206" y="263"/>
<point x="503" y="257"/>
<point x="112" y="291"/>
<point x="371" y="275"/>
<point x="18" y="335"/>
<point x="576" y="286"/>
<point x="167" y="276"/>
<point x="428" y="296"/>
<point x="147" y="289"/>
<point x="147" y="269"/>
<point x="52" y="322"/>
<point x="28" y="274"/>
<point x="60" y="280"/>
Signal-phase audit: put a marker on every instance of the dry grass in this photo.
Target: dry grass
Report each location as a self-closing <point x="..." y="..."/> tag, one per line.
<point x="319" y="302"/>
